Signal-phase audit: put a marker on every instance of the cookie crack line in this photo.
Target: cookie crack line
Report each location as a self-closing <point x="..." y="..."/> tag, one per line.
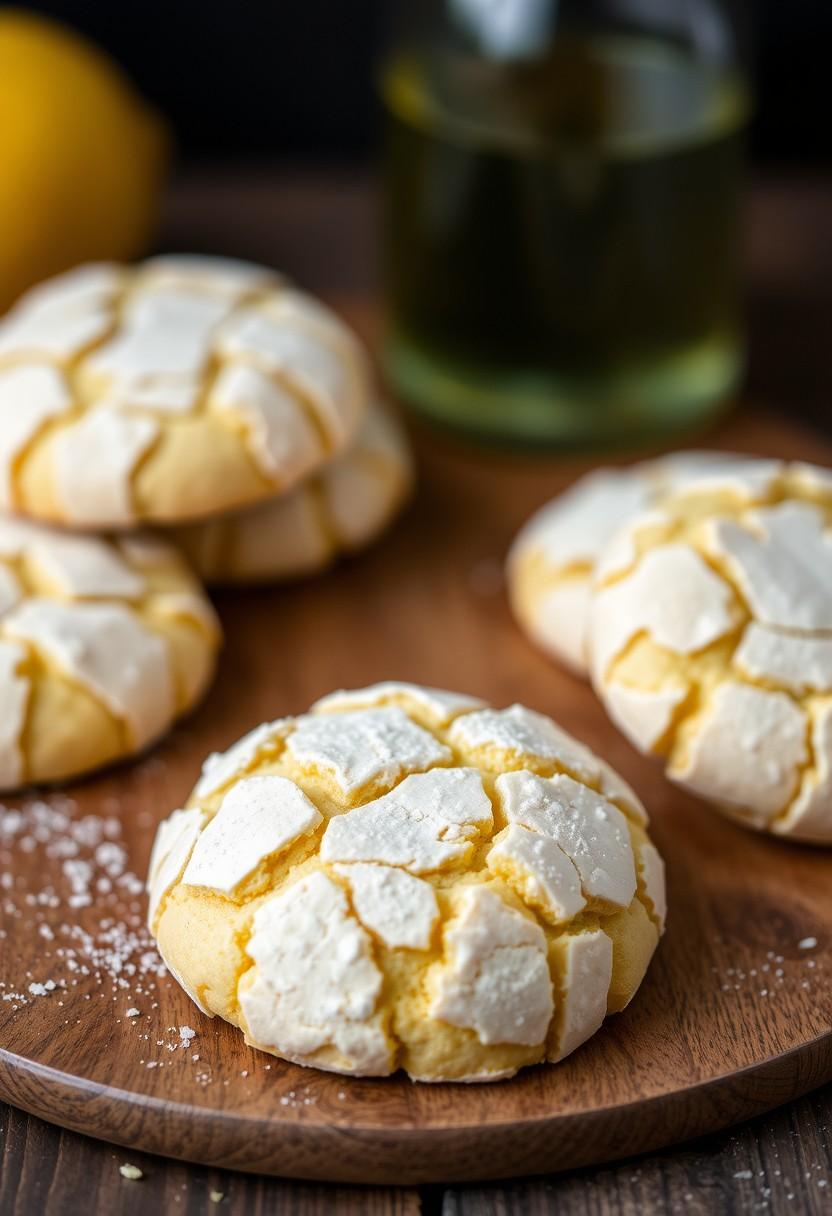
<point x="737" y="708"/>
<point x="676" y="528"/>
<point x="397" y="1047"/>
<point x="810" y="767"/>
<point x="697" y="693"/>
<point x="673" y="743"/>
<point x="67" y="367"/>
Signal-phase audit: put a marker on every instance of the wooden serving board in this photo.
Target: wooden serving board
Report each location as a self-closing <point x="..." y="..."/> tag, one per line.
<point x="734" y="1017"/>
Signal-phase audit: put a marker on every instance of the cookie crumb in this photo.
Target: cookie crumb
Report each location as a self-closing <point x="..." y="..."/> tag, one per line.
<point x="133" y="1013"/>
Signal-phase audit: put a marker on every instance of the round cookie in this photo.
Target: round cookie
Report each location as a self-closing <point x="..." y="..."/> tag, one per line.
<point x="169" y="391"/>
<point x="103" y="643"/>
<point x="340" y="510"/>
<point x="552" y="559"/>
<point x="711" y="642"/>
<point x="407" y="878"/>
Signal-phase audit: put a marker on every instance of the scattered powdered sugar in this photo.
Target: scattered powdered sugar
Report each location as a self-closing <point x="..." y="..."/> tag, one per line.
<point x="174" y="1038"/>
<point x="88" y="916"/>
<point x="296" y="1099"/>
<point x="772" y="973"/>
<point x="36" y="989"/>
<point x="779" y="1181"/>
<point x="66" y="883"/>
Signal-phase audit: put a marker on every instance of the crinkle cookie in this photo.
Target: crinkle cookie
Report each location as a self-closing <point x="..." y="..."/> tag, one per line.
<point x="551" y="562"/>
<point x="711" y="641"/>
<point x="407" y="878"/>
<point x="102" y="645"/>
<point x="169" y="391"/>
<point x="340" y="510"/>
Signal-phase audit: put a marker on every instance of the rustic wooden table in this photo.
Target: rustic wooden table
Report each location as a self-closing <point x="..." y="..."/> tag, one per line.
<point x="780" y="1163"/>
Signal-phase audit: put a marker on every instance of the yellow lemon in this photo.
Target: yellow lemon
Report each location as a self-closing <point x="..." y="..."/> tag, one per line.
<point x="82" y="156"/>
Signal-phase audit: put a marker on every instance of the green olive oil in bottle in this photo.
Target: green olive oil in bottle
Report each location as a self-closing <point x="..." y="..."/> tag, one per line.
<point x="562" y="218"/>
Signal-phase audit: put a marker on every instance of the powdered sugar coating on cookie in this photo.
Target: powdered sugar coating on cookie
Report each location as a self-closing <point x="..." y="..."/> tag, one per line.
<point x="553" y="558"/>
<point x="99" y="653"/>
<point x="720" y="660"/>
<point x="405" y="877"/>
<point x="170" y="391"/>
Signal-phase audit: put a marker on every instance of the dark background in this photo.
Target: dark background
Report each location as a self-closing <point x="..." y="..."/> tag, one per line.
<point x="295" y="78"/>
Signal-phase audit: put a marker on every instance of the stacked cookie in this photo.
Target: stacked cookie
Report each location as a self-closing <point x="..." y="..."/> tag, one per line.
<point x="697" y="593"/>
<point x="205" y="396"/>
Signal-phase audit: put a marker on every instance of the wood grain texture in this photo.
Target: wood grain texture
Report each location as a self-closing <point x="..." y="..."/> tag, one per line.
<point x="713" y="1037"/>
<point x="52" y="1172"/>
<point x="774" y="1166"/>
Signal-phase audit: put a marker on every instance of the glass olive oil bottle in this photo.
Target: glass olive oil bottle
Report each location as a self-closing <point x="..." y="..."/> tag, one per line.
<point x="562" y="223"/>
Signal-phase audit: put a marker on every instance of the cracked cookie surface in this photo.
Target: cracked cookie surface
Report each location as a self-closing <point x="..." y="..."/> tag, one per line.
<point x="103" y="644"/>
<point x="406" y="878"/>
<point x="173" y="390"/>
<point x="336" y="511"/>
<point x="711" y="642"/>
<point x="552" y="560"/>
